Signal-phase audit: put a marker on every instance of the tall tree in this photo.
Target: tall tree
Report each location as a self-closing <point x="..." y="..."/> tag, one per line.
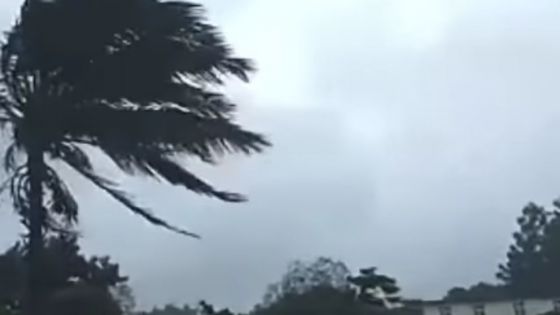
<point x="551" y="251"/>
<point x="524" y="272"/>
<point x="140" y="87"/>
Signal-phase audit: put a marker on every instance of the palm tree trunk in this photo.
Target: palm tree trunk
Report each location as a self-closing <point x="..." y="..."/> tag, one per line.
<point x="35" y="286"/>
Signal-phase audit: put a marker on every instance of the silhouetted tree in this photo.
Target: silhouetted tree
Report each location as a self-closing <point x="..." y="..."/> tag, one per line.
<point x="525" y="273"/>
<point x="172" y="310"/>
<point x="208" y="309"/>
<point x="374" y="288"/>
<point x="82" y="299"/>
<point x="302" y="277"/>
<point x="124" y="296"/>
<point x="132" y="78"/>
<point x="315" y="301"/>
<point x="551" y="252"/>
<point x="325" y="286"/>
<point x="67" y="274"/>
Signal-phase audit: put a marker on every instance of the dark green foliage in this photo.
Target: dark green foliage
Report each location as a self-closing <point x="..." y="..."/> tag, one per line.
<point x="171" y="310"/>
<point x="316" y="301"/>
<point x="374" y="288"/>
<point x="82" y="299"/>
<point x="208" y="309"/>
<point x="124" y="296"/>
<point x="532" y="268"/>
<point x="551" y="251"/>
<point x="524" y="270"/>
<point x="318" y="287"/>
<point x="204" y="308"/>
<point x="302" y="277"/>
<point x="66" y="271"/>
<point x="325" y="286"/>
<point x="479" y="292"/>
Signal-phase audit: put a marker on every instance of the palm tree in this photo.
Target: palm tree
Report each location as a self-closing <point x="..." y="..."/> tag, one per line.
<point x="138" y="80"/>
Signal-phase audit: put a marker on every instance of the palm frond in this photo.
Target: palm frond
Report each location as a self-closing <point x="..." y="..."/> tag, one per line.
<point x="11" y="157"/>
<point x="60" y="211"/>
<point x="161" y="128"/>
<point x="131" y="29"/>
<point x="177" y="175"/>
<point x="10" y="109"/>
<point x="72" y="156"/>
<point x="19" y="191"/>
<point x="143" y="86"/>
<point x="183" y="94"/>
<point x="62" y="202"/>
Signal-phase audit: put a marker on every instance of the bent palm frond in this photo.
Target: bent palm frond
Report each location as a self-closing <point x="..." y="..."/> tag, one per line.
<point x="77" y="159"/>
<point x="143" y="87"/>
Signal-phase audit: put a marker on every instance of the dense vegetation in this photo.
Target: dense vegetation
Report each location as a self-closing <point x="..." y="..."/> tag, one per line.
<point x="532" y="267"/>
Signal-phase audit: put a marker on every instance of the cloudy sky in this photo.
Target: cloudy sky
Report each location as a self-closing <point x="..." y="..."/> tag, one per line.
<point x="408" y="135"/>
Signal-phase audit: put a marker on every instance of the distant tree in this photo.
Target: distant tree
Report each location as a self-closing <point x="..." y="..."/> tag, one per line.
<point x="171" y="310"/>
<point x="67" y="274"/>
<point x="481" y="291"/>
<point x="525" y="272"/>
<point x="309" y="288"/>
<point x="551" y="252"/>
<point x="315" y="301"/>
<point x="208" y="309"/>
<point x="325" y="286"/>
<point x="124" y="296"/>
<point x="302" y="277"/>
<point x="376" y="289"/>
<point x="203" y="308"/>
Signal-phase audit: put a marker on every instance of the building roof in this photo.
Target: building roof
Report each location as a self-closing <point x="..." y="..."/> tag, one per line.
<point x="495" y="300"/>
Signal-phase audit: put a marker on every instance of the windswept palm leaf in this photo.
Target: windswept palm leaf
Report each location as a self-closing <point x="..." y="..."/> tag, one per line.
<point x="137" y="79"/>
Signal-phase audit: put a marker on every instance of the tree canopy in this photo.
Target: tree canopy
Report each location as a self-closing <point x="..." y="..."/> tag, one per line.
<point x="374" y="288"/>
<point x="326" y="286"/>
<point x="532" y="268"/>
<point x="303" y="276"/>
<point x="69" y="274"/>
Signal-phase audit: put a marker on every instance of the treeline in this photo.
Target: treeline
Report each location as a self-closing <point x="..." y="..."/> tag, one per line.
<point x="323" y="286"/>
<point x="94" y="285"/>
<point x="76" y="284"/>
<point x="532" y="266"/>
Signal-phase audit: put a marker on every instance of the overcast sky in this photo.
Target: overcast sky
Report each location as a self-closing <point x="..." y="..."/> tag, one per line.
<point x="408" y="135"/>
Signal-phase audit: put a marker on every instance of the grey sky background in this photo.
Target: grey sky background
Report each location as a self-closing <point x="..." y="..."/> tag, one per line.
<point x="408" y="135"/>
